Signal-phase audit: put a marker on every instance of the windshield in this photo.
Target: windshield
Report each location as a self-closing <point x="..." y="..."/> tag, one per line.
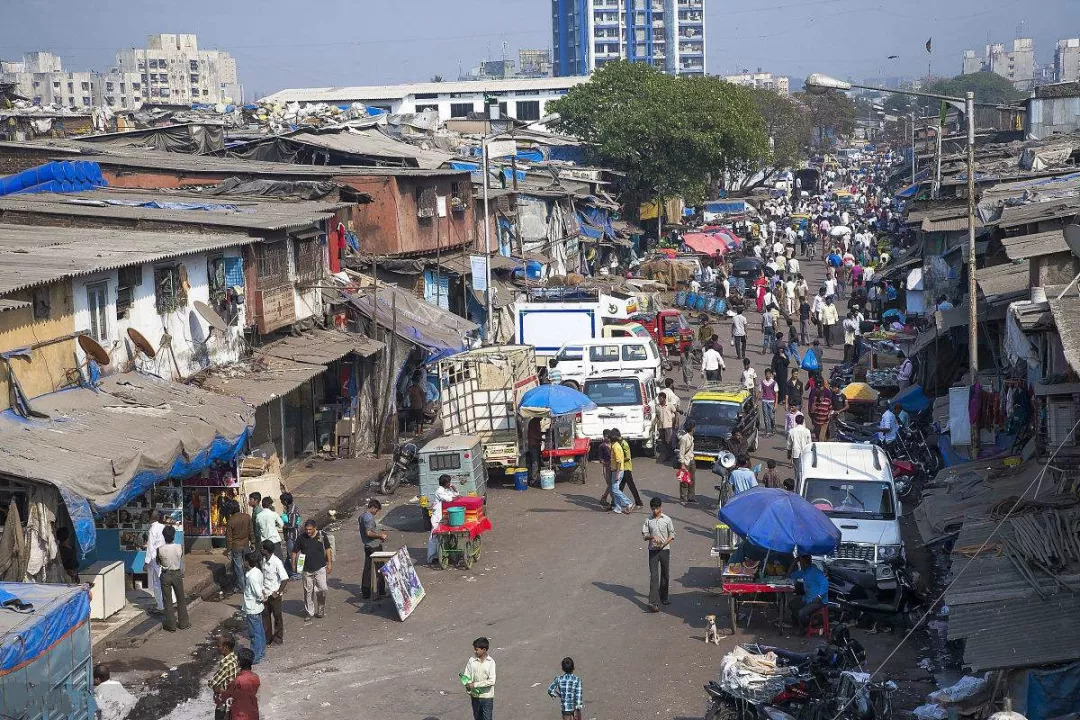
<point x="747" y="265"/>
<point x="839" y="498"/>
<point x="704" y="412"/>
<point x="614" y="392"/>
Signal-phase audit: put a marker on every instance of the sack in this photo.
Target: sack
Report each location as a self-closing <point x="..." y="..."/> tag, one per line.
<point x="683" y="476"/>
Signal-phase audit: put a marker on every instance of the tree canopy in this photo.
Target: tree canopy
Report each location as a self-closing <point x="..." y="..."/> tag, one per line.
<point x="988" y="87"/>
<point x="787" y="122"/>
<point x="831" y="115"/>
<point x="670" y="135"/>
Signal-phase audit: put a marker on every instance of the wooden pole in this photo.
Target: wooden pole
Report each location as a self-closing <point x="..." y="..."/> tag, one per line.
<point x="391" y="391"/>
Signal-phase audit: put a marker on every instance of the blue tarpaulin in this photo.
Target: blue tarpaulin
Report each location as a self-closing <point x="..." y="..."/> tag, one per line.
<point x="55" y="611"/>
<point x="726" y="207"/>
<point x="912" y="399"/>
<point x="781" y="521"/>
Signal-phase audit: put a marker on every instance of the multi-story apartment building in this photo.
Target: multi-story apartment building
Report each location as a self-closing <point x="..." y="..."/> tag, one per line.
<point x="760" y="79"/>
<point x="1016" y="65"/>
<point x="174" y="70"/>
<point x="1067" y="60"/>
<point x="667" y="34"/>
<point x="41" y="77"/>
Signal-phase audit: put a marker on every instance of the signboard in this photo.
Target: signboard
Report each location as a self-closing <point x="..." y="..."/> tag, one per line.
<point x="618" y="307"/>
<point x="501" y="148"/>
<point x="402" y="582"/>
<point x="478" y="264"/>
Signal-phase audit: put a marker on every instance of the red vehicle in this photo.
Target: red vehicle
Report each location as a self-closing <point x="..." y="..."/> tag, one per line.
<point x="669" y="329"/>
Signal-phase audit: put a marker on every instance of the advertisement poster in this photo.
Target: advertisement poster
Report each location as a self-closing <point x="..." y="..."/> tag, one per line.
<point x="196" y="511"/>
<point x="403" y="583"/>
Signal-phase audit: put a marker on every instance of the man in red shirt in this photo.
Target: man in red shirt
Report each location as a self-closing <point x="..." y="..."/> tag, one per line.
<point x="244" y="689"/>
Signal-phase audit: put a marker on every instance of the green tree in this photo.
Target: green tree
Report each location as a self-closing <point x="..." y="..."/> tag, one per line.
<point x="787" y="124"/>
<point x="832" y="115"/>
<point x="671" y="136"/>
<point x="988" y="87"/>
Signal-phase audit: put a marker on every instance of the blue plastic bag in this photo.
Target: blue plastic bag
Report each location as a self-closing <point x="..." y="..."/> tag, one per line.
<point x="810" y="361"/>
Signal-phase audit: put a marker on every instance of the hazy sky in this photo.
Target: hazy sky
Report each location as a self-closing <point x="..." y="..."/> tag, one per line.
<point x="281" y="44"/>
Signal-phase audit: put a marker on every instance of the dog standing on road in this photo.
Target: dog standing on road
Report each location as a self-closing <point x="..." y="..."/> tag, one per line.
<point x="712" y="635"/>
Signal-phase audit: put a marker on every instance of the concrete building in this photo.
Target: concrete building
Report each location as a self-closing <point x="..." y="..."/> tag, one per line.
<point x="534" y="63"/>
<point x="519" y="98"/>
<point x="667" y="34"/>
<point x="174" y="70"/>
<point x="41" y="77"/>
<point x="1067" y="60"/>
<point x="759" y="79"/>
<point x="1016" y="65"/>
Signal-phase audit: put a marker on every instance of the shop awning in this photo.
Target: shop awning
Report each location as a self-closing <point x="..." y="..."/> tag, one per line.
<point x="706" y="244"/>
<point x="108" y="445"/>
<point x="320" y="347"/>
<point x="260" y="380"/>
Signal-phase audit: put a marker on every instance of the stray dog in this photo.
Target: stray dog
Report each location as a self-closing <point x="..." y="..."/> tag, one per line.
<point x="711" y="633"/>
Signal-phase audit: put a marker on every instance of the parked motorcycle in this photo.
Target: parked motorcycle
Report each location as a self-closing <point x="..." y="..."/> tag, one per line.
<point x="401" y="468"/>
<point x="855" y="590"/>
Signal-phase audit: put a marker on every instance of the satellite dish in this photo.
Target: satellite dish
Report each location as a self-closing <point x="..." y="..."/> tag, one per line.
<point x="140" y="341"/>
<point x="93" y="350"/>
<point x="727" y="460"/>
<point x="1072" y="238"/>
<point x="211" y="317"/>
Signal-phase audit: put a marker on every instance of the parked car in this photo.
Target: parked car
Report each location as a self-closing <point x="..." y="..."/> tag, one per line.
<point x="748" y="270"/>
<point x="718" y="411"/>
<point x="624" y="401"/>
<point x="633" y="355"/>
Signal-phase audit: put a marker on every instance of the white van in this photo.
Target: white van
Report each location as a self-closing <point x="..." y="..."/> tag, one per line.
<point x="626" y="402"/>
<point x="853" y="484"/>
<point x="637" y="355"/>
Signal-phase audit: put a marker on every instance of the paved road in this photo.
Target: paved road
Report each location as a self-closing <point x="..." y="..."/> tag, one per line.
<point x="558" y="577"/>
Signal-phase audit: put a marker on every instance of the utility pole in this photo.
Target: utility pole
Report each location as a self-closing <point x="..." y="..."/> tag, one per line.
<point x="973" y="314"/>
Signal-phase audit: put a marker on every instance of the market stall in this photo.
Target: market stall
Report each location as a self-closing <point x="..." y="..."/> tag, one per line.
<point x="558" y="406"/>
<point x="460" y="534"/>
<point x="774" y="526"/>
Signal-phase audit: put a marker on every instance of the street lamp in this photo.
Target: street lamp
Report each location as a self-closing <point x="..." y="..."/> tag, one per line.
<point x="820" y="84"/>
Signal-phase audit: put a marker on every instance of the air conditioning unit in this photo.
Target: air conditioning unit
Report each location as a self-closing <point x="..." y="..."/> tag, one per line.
<point x="426" y="212"/>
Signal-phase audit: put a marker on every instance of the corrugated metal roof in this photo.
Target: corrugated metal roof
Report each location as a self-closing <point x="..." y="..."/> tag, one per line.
<point x="176" y="162"/>
<point x="1038" y="212"/>
<point x="1066" y="312"/>
<point x="260" y="381"/>
<point x="1007" y="279"/>
<point x="1033" y="316"/>
<point x="248" y="214"/>
<point x="393" y="92"/>
<point x="31" y="255"/>
<point x="96" y="441"/>
<point x="6" y="304"/>
<point x="320" y="347"/>
<point x="1022" y="247"/>
<point x="1015" y="634"/>
<point x="373" y="143"/>
<point x="948" y="225"/>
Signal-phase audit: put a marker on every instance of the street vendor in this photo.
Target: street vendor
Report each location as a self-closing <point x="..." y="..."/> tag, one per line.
<point x="444" y="493"/>
<point x="815" y="591"/>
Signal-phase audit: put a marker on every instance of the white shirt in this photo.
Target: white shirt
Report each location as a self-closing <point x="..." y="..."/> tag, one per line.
<point x="270" y="525"/>
<point x="442" y="495"/>
<point x="695" y="286"/>
<point x="738" y="325"/>
<point x="154" y="540"/>
<point x="273" y="575"/>
<point x="778" y="248"/>
<point x="830" y="286"/>
<point x="749" y="378"/>
<point x="253" y="591"/>
<point x="798" y="440"/>
<point x="114" y="701"/>
<point x="817" y="304"/>
<point x="757" y="251"/>
<point x="482" y="675"/>
<point x="712" y="360"/>
<point x="793" y="266"/>
<point x="672" y="398"/>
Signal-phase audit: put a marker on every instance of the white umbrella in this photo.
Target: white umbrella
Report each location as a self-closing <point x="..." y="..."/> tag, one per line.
<point x="840" y="231"/>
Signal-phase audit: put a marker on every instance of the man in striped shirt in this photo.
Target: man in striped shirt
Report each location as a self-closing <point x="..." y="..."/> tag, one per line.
<point x="566" y="688"/>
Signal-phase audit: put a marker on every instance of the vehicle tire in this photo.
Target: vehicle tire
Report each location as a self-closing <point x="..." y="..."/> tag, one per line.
<point x="390" y="481"/>
<point x="721" y="711"/>
<point x="571" y="384"/>
<point x="444" y="559"/>
<point x="648" y="447"/>
<point x="467" y="557"/>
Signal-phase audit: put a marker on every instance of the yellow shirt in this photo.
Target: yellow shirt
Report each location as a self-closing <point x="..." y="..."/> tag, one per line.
<point x="618" y="457"/>
<point x="628" y="463"/>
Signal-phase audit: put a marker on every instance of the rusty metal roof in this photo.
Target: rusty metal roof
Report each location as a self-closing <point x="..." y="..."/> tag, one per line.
<point x="1022" y="247"/>
<point x="6" y="304"/>
<point x="320" y="347"/>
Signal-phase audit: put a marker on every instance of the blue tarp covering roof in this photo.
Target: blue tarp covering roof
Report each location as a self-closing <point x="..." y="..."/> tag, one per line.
<point x="56" y="611"/>
<point x="727" y="207"/>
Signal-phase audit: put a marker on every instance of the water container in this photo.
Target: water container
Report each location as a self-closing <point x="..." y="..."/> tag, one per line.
<point x="67" y="171"/>
<point x="710" y="304"/>
<point x="455" y="516"/>
<point x="534" y="270"/>
<point x="699" y="302"/>
<point x="721" y="306"/>
<point x="547" y="479"/>
<point x="78" y="168"/>
<point x="521" y="478"/>
<point x="691" y="299"/>
<point x="680" y="298"/>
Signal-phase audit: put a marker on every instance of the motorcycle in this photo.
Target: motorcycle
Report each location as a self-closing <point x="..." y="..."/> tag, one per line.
<point x="401" y="468"/>
<point x="911" y="457"/>
<point x="854" y="589"/>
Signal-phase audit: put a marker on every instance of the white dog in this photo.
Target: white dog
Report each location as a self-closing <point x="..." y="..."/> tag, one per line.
<point x="712" y="635"/>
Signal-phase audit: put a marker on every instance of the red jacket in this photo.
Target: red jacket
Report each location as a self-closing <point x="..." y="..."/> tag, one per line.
<point x="244" y="692"/>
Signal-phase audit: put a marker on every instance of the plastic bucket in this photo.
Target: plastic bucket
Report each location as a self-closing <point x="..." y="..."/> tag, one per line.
<point x="455" y="516"/>
<point x="547" y="479"/>
<point x="521" y="478"/>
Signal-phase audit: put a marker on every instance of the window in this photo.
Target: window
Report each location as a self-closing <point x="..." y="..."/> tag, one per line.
<point x="427" y="96"/>
<point x="272" y="264"/>
<point x="604" y="353"/>
<point x="528" y="110"/>
<point x="42" y="303"/>
<point x="460" y="110"/>
<point x="97" y="304"/>
<point x="426" y="202"/>
<point x="634" y="352"/>
<point x="306" y="259"/>
<point x="444" y="461"/>
<point x="170" y="288"/>
<point x="128" y="279"/>
<point x="85" y="86"/>
<point x="613" y="392"/>
<point x="422" y="108"/>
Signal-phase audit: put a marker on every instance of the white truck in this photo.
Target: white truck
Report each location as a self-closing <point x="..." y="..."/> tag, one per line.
<point x="548" y="325"/>
<point x="481" y="391"/>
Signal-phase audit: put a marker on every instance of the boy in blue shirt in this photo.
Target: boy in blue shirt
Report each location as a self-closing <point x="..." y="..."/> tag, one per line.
<point x="566" y="688"/>
<point x="815" y="591"/>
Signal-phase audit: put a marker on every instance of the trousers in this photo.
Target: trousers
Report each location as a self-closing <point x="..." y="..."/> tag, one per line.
<point x="153" y="577"/>
<point x="628" y="481"/>
<point x="365" y="580"/>
<point x="688" y="491"/>
<point x="172" y="584"/>
<point x="801" y="615"/>
<point x="659" y="575"/>
<point x="273" y="628"/>
<point x="237" y="557"/>
<point x="315" y="592"/>
<point x="483" y="708"/>
<point x="258" y="636"/>
<point x="740" y="346"/>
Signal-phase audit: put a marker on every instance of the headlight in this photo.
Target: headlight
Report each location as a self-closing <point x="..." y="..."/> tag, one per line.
<point x="888" y="552"/>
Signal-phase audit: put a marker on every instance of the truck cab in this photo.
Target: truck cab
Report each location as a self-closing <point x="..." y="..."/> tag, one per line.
<point x="853" y="485"/>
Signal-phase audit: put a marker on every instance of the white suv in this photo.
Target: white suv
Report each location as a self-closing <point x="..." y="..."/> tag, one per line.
<point x="626" y="402"/>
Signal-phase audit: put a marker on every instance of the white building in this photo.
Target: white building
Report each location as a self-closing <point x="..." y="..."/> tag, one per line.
<point x="762" y="80"/>
<point x="667" y="34"/>
<point x="174" y="70"/>
<point x="40" y="76"/>
<point x="1016" y="65"/>
<point x="520" y="98"/>
<point x="1067" y="60"/>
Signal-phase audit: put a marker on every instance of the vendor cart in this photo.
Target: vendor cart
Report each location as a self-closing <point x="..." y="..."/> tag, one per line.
<point x="746" y="586"/>
<point x="463" y="542"/>
<point x="565" y="452"/>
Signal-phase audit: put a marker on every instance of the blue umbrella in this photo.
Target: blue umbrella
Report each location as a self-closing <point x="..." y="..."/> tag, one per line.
<point x="782" y="521"/>
<point x="552" y="400"/>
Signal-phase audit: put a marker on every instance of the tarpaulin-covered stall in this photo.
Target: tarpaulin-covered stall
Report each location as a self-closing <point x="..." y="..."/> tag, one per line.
<point x="706" y="244"/>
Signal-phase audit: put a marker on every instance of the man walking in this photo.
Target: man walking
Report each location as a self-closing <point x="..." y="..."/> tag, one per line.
<point x="170" y="557"/>
<point x="687" y="493"/>
<point x="292" y="530"/>
<point x="373" y="537"/>
<point x="665" y="417"/>
<point x="798" y="440"/>
<point x="566" y="688"/>
<point x="829" y="319"/>
<point x="628" y="469"/>
<point x="712" y="363"/>
<point x="238" y="537"/>
<point x="253" y="605"/>
<point x="659" y="532"/>
<point x="314" y="558"/>
<point x="479" y="678"/>
<point x="738" y="333"/>
<point x="619" y="502"/>
<point x="154" y="540"/>
<point x="226" y="671"/>
<point x="275" y="578"/>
